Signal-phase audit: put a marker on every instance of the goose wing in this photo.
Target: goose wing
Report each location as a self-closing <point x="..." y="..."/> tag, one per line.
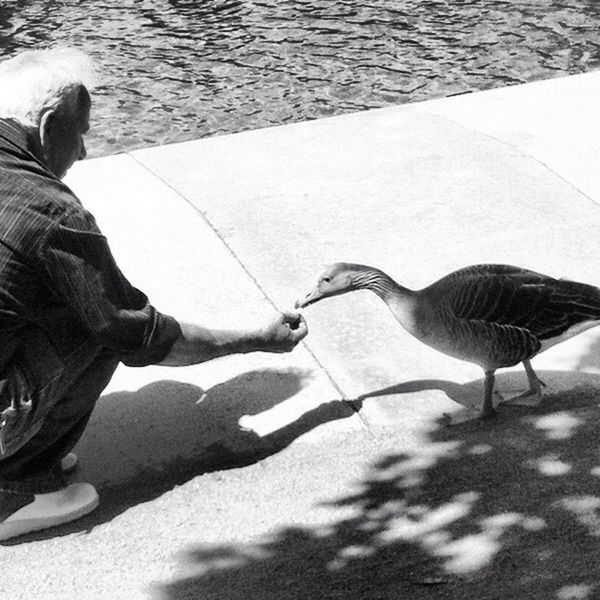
<point x="510" y="296"/>
<point x="490" y="345"/>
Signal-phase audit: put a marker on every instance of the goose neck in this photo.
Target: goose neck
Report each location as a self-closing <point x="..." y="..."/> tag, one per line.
<point x="382" y="284"/>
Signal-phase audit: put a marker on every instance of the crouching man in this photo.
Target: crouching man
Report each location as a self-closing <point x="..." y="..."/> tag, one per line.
<point x="68" y="316"/>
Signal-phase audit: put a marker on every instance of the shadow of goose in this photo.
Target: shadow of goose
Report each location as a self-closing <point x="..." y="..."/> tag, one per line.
<point x="470" y="394"/>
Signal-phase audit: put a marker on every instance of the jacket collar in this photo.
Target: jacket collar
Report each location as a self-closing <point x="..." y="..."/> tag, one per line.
<point x="17" y="139"/>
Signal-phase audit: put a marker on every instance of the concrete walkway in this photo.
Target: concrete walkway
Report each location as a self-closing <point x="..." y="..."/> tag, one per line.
<point x="251" y="476"/>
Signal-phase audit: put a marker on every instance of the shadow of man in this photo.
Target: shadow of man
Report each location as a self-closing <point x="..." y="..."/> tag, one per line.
<point x="141" y="444"/>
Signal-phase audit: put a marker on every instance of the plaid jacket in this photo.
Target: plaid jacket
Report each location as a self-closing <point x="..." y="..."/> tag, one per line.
<point x="57" y="270"/>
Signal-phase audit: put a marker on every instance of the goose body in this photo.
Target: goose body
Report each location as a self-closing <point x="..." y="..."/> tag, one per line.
<point x="492" y="315"/>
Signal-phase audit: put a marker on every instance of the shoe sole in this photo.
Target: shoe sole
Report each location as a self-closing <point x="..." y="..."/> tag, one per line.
<point x="50" y="510"/>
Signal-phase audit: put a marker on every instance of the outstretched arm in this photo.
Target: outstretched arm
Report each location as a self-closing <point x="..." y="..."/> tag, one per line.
<point x="198" y="344"/>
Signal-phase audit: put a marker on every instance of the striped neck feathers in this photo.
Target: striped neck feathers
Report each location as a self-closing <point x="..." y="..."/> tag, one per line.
<point x="369" y="278"/>
<point x="401" y="301"/>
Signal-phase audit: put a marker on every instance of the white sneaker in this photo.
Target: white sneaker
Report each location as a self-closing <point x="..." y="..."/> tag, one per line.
<point x="48" y="510"/>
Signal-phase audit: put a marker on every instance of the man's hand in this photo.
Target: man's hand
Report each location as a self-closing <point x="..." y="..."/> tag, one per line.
<point x="283" y="333"/>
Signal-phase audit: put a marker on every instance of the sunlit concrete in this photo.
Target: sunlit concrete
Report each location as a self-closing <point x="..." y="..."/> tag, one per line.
<point x="417" y="190"/>
<point x="191" y="462"/>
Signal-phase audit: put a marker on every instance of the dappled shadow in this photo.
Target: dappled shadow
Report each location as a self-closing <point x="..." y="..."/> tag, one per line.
<point x="591" y="358"/>
<point x="508" y="509"/>
<point x="141" y="444"/>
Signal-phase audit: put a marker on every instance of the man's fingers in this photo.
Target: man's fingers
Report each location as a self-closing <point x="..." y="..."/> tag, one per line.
<point x="300" y="329"/>
<point x="295" y="324"/>
<point x="292" y="318"/>
<point x="285" y="332"/>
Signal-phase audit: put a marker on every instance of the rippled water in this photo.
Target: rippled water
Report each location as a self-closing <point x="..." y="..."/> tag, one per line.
<point x="182" y="69"/>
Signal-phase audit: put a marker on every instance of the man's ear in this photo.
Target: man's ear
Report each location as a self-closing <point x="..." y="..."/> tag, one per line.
<point x="45" y="129"/>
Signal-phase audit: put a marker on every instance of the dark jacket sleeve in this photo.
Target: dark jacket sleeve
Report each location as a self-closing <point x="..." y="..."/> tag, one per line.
<point x="83" y="274"/>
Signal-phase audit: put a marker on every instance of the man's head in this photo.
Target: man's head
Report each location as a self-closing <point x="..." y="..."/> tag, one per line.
<point x="47" y="92"/>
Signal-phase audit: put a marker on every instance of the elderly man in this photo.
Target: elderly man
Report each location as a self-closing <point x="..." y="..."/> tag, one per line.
<point x="67" y="314"/>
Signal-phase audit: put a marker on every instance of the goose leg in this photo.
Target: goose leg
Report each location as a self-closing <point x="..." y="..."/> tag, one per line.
<point x="487" y="408"/>
<point x="535" y="383"/>
<point x="535" y="388"/>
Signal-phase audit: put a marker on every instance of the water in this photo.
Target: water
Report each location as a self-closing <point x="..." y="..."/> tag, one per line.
<point x="182" y="69"/>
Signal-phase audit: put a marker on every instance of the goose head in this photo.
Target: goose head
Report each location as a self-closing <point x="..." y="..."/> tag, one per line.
<point x="337" y="279"/>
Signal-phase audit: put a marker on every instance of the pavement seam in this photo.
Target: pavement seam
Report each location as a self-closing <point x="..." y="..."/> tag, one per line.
<point x="521" y="151"/>
<point x="345" y="397"/>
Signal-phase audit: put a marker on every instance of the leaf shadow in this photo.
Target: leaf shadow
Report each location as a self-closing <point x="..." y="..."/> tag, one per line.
<point x="500" y="510"/>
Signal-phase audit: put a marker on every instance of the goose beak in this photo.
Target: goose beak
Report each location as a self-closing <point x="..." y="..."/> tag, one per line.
<point x="309" y="299"/>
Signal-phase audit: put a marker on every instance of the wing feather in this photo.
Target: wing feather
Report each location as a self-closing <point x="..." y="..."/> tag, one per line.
<point x="490" y="345"/>
<point x="503" y="295"/>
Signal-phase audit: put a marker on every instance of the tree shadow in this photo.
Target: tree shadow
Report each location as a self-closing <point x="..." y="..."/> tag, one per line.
<point x="141" y="444"/>
<point x="591" y="358"/>
<point x="508" y="509"/>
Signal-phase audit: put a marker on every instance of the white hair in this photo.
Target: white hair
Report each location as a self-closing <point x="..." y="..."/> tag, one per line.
<point x="37" y="80"/>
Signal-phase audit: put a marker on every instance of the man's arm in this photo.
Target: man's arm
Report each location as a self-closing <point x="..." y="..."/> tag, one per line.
<point x="198" y="344"/>
<point x="82" y="272"/>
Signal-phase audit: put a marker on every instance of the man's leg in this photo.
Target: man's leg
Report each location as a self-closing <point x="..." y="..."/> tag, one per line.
<point x="39" y="458"/>
<point x="54" y="402"/>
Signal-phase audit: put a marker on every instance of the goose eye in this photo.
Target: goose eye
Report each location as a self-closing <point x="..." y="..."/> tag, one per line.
<point x="326" y="279"/>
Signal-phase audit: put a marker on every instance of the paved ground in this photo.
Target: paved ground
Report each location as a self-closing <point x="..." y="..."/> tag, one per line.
<point x="253" y="476"/>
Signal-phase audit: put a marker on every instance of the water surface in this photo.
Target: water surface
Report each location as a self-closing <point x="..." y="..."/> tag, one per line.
<point x="182" y="69"/>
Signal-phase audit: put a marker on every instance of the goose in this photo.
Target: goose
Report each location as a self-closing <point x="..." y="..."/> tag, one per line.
<point x="492" y="315"/>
